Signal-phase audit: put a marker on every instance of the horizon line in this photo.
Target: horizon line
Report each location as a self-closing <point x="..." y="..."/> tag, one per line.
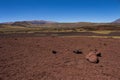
<point x="57" y="21"/>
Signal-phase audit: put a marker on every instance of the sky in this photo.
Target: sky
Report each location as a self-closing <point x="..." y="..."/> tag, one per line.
<point x="60" y="10"/>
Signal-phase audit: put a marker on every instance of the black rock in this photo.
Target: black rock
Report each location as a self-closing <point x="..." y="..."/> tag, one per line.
<point x="99" y="55"/>
<point x="54" y="52"/>
<point x="77" y="52"/>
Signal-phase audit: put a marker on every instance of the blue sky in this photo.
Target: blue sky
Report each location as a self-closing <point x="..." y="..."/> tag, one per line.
<point x="60" y="10"/>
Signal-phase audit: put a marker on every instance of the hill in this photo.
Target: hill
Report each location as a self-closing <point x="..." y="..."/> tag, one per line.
<point x="49" y="26"/>
<point x="116" y="21"/>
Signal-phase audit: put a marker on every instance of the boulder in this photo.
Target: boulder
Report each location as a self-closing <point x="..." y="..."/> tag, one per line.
<point x="92" y="57"/>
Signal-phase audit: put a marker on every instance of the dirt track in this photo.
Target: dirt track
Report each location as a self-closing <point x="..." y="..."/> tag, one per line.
<point x="31" y="58"/>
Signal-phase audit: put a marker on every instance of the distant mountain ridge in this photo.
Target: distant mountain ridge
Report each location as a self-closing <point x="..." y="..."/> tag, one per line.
<point x="116" y="21"/>
<point x="37" y="22"/>
<point x="75" y="26"/>
<point x="40" y="22"/>
<point x="31" y="22"/>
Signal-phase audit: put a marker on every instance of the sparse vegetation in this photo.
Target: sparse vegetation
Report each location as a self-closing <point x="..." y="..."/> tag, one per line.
<point x="103" y="32"/>
<point x="92" y="29"/>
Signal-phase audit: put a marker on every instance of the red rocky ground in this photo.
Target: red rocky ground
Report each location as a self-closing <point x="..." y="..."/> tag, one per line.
<point x="31" y="58"/>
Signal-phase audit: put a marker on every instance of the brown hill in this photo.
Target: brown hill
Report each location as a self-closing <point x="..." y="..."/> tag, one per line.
<point x="49" y="26"/>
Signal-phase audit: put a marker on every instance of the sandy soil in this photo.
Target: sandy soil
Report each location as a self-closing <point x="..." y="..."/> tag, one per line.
<point x="31" y="58"/>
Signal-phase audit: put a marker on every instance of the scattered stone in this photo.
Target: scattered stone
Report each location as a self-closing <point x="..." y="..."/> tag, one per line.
<point x="92" y="57"/>
<point x="98" y="53"/>
<point x="54" y="52"/>
<point x="77" y="52"/>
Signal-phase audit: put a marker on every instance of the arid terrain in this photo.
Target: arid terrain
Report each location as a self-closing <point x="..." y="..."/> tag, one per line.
<point x="59" y="39"/>
<point x="43" y="50"/>
<point x="32" y="58"/>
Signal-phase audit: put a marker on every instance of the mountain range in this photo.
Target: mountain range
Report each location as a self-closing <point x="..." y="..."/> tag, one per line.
<point x="37" y="22"/>
<point x="50" y="25"/>
<point x="31" y="22"/>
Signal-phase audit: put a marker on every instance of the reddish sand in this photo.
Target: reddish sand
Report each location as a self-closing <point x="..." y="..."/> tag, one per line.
<point x="31" y="58"/>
